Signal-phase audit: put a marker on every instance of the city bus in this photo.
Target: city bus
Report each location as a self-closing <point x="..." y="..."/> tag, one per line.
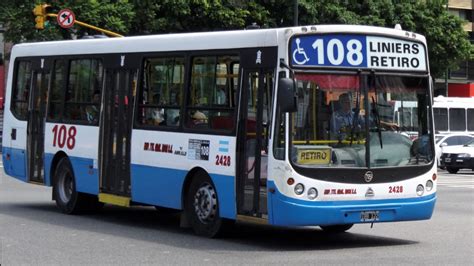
<point x="227" y="126"/>
<point x="453" y="115"/>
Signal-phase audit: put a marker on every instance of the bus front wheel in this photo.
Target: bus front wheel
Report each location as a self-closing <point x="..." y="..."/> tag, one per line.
<point x="202" y="206"/>
<point x="340" y="228"/>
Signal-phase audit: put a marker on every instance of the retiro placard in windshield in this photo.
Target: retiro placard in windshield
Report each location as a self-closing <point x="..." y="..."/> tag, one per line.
<point x="357" y="51"/>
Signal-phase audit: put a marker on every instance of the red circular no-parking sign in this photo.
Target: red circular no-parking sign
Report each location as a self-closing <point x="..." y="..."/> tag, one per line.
<point x="66" y="18"/>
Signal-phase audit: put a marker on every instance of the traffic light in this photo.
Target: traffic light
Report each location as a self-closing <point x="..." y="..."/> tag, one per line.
<point x="40" y="12"/>
<point x="39" y="22"/>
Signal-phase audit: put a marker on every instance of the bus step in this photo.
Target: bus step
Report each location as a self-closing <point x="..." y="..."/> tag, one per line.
<point x="252" y="219"/>
<point x="114" y="199"/>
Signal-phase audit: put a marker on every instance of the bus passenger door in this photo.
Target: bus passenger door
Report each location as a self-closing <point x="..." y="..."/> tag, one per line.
<point x="253" y="144"/>
<point x="36" y="121"/>
<point x="115" y="134"/>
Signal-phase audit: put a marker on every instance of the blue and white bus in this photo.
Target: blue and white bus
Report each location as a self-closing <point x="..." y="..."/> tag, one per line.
<point x="227" y="126"/>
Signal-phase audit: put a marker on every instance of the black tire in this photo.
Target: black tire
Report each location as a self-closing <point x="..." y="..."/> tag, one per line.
<point x="452" y="170"/>
<point x="67" y="198"/>
<point x="334" y="229"/>
<point x="202" y="206"/>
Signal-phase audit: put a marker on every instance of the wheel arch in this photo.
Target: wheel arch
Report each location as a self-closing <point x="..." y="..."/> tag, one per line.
<point x="187" y="182"/>
<point x="54" y="165"/>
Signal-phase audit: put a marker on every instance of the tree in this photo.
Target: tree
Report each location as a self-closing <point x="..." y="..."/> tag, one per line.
<point x="169" y="16"/>
<point x="448" y="44"/>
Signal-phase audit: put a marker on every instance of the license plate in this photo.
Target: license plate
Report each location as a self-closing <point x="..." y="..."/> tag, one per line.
<point x="448" y="160"/>
<point x="369" y="216"/>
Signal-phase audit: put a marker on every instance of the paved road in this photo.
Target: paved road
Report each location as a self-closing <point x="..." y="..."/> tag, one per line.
<point x="463" y="179"/>
<point x="32" y="231"/>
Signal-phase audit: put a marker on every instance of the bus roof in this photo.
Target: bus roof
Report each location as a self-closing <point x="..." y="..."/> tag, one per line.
<point x="196" y="41"/>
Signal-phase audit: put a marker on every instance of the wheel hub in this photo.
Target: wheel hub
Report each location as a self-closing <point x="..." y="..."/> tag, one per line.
<point x="205" y="203"/>
<point x="65" y="187"/>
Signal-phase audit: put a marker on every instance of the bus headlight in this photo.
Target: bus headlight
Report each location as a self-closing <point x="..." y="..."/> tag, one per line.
<point x="299" y="189"/>
<point x="312" y="193"/>
<point x="464" y="155"/>
<point x="429" y="185"/>
<point x="420" y="190"/>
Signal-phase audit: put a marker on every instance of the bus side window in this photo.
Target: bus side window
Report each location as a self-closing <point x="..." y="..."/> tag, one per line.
<point x="56" y="92"/>
<point x="211" y="99"/>
<point x="83" y="93"/>
<point x="160" y="95"/>
<point x="21" y="91"/>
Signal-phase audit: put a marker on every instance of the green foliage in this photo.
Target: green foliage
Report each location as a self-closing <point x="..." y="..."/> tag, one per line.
<point x="447" y="42"/>
<point x="19" y="19"/>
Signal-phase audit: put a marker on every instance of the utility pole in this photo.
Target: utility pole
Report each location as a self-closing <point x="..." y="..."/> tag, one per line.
<point x="295" y="13"/>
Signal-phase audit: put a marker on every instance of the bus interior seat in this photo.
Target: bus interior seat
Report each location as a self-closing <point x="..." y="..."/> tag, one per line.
<point x="222" y="122"/>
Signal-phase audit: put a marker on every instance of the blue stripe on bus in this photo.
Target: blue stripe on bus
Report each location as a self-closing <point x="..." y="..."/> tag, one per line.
<point x="223" y="149"/>
<point x="16" y="165"/>
<point x="48" y="160"/>
<point x="163" y="187"/>
<point x="87" y="178"/>
<point x="150" y="185"/>
<point x="287" y="211"/>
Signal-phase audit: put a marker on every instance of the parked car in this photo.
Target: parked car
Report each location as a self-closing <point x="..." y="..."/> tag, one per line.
<point x="458" y="157"/>
<point x="443" y="141"/>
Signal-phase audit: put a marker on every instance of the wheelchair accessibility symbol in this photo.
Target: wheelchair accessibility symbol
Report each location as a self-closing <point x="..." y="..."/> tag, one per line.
<point x="299" y="55"/>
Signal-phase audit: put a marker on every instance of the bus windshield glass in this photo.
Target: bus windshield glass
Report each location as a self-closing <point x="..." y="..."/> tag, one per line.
<point x="361" y="121"/>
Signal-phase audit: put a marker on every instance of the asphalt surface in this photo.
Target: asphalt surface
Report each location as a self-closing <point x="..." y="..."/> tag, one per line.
<point x="32" y="231"/>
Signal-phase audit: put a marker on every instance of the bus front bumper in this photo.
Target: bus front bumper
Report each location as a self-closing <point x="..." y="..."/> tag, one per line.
<point x="285" y="211"/>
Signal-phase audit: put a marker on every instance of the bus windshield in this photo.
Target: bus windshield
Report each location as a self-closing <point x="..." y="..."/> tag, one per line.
<point x="361" y="121"/>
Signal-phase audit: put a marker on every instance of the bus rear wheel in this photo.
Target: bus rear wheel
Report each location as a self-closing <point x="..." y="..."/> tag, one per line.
<point x="67" y="198"/>
<point x="340" y="228"/>
<point x="202" y="206"/>
<point x="64" y="188"/>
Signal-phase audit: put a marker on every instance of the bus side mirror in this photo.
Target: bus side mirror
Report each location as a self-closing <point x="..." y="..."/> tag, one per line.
<point x="286" y="95"/>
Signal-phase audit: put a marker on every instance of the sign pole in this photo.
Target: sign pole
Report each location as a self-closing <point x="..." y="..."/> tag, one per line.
<point x="110" y="33"/>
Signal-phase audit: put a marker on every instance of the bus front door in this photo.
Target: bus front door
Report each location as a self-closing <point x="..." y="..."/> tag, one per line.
<point x="36" y="121"/>
<point x="252" y="144"/>
<point x="115" y="134"/>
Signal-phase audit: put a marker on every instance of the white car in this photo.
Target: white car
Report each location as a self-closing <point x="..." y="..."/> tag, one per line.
<point x="458" y="157"/>
<point x="443" y="141"/>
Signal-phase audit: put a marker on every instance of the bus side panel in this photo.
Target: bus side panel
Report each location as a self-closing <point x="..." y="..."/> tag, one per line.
<point x="163" y="186"/>
<point x="81" y="148"/>
<point x="87" y="178"/>
<point x="162" y="160"/>
<point x="225" y="186"/>
<point x="157" y="186"/>
<point x="48" y="160"/>
<point x="14" y="162"/>
<point x="14" y="146"/>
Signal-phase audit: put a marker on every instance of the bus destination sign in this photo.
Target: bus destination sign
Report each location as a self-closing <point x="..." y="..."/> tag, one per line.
<point x="357" y="51"/>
